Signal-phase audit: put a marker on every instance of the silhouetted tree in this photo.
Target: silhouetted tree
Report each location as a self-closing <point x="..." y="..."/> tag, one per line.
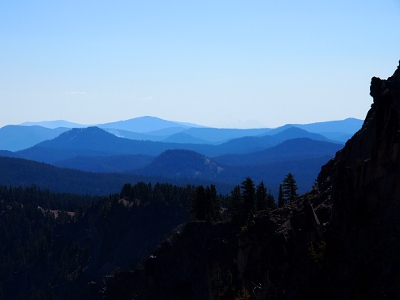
<point x="249" y="197"/>
<point x="261" y="196"/>
<point x="214" y="209"/>
<point x="289" y="188"/>
<point x="243" y="202"/>
<point x="264" y="198"/>
<point x="236" y="204"/>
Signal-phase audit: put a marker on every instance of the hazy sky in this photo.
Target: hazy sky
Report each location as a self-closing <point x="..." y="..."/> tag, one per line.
<point x="206" y="62"/>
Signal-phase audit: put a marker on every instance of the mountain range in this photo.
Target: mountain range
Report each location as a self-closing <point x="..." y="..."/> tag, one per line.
<point x="28" y="134"/>
<point x="263" y="157"/>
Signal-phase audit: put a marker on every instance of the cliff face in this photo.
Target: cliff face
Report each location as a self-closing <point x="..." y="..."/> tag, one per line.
<point x="364" y="179"/>
<point x="340" y="240"/>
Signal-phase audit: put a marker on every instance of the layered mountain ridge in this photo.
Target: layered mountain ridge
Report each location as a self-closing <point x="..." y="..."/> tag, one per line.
<point x="338" y="241"/>
<point x="20" y="137"/>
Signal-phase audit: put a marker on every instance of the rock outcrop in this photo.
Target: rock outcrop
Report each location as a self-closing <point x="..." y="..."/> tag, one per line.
<point x="341" y="240"/>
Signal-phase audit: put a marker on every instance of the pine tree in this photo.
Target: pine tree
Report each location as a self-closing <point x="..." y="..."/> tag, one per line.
<point x="289" y="188"/>
<point x="249" y="198"/>
<point x="261" y="196"/>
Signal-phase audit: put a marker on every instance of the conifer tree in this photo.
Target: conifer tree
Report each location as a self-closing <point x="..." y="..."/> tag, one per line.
<point x="235" y="204"/>
<point x="261" y="196"/>
<point x="289" y="188"/>
<point x="249" y="198"/>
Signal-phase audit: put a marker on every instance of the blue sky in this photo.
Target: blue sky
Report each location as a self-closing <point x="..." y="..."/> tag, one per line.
<point x="215" y="63"/>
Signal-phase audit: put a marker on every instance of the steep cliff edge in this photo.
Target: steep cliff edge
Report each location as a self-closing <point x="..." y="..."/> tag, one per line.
<point x="341" y="240"/>
<point x="362" y="239"/>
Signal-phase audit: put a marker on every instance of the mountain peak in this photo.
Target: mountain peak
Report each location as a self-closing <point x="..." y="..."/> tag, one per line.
<point x="145" y="124"/>
<point x="88" y="137"/>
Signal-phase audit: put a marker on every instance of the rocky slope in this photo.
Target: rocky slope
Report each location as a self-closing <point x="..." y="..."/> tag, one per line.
<point x="339" y="241"/>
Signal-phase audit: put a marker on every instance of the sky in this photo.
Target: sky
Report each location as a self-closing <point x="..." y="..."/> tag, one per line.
<point x="215" y="63"/>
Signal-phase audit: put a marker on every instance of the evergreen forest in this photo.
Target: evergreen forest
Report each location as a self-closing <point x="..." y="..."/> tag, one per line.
<point x="63" y="245"/>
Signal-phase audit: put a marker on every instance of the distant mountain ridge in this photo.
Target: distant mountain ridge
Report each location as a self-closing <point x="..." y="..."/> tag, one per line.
<point x="29" y="134"/>
<point x="262" y="153"/>
<point x="139" y="124"/>
<point x="260" y="157"/>
<point x="94" y="141"/>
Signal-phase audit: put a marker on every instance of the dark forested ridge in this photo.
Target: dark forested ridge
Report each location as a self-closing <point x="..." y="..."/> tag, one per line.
<point x="16" y="172"/>
<point x="61" y="246"/>
<point x="106" y="164"/>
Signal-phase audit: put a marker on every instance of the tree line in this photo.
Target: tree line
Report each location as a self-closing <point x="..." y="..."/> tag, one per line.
<point x="244" y="202"/>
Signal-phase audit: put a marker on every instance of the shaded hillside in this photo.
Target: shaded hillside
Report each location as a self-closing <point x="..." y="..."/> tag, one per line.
<point x="182" y="164"/>
<point x="184" y="138"/>
<point x="338" y="241"/>
<point x="220" y="135"/>
<point x="291" y="150"/>
<point x="249" y="144"/>
<point x="106" y="164"/>
<point x="133" y="135"/>
<point x="16" y="172"/>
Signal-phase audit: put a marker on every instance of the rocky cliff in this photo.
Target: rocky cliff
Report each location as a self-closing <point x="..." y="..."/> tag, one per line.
<point x="341" y="240"/>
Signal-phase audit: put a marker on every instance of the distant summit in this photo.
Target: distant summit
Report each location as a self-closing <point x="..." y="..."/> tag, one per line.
<point x="146" y="124"/>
